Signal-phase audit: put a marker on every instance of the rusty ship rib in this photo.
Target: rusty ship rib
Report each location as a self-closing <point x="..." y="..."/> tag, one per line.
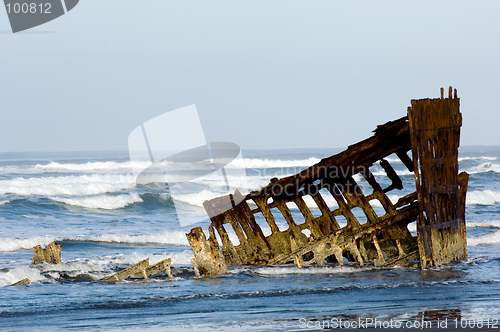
<point x="426" y="141"/>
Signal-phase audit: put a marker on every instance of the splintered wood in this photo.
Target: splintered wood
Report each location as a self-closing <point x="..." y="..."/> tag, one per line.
<point x="431" y="131"/>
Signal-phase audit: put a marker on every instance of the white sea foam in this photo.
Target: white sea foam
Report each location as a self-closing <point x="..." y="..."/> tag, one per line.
<point x="476" y="158"/>
<point x="169" y="237"/>
<point x="95" y="268"/>
<point x="19" y="273"/>
<point x="398" y="172"/>
<point x="279" y="270"/>
<point x="4" y="202"/>
<point x="483" y="224"/>
<point x="10" y="244"/>
<point x="178" y="258"/>
<point x="91" y="166"/>
<point x="67" y="185"/>
<point x="272" y="163"/>
<point x="99" y="267"/>
<point x="485" y="197"/>
<point x="194" y="199"/>
<point x="129" y="165"/>
<point x="490" y="238"/>
<point x="106" y="202"/>
<point x="484" y="167"/>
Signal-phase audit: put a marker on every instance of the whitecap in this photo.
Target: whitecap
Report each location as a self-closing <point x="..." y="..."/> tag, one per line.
<point x="485" y="197"/>
<point x="490" y="238"/>
<point x="19" y="273"/>
<point x="67" y="185"/>
<point x="105" y="202"/>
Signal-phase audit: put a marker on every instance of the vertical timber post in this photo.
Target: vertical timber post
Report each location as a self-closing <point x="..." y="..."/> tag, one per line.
<point x="207" y="252"/>
<point x="435" y="137"/>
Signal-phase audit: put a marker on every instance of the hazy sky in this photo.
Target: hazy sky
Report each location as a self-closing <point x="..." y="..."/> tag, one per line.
<point x="263" y="74"/>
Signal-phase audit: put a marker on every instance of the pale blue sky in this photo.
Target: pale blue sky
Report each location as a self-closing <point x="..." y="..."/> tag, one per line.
<point x="263" y="74"/>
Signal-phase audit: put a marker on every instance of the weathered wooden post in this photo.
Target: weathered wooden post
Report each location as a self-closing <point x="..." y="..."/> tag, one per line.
<point x="435" y="137"/>
<point x="207" y="252"/>
<point x="51" y="255"/>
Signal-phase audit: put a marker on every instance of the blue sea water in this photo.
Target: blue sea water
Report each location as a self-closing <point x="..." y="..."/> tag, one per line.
<point x="89" y="203"/>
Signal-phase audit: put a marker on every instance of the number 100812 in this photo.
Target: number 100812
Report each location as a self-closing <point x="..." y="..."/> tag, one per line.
<point x="28" y="8"/>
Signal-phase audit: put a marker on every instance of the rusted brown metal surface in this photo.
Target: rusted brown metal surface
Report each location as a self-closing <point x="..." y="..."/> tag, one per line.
<point x="431" y="132"/>
<point x="435" y="127"/>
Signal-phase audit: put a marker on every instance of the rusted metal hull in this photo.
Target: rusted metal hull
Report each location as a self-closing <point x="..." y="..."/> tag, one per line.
<point x="438" y="204"/>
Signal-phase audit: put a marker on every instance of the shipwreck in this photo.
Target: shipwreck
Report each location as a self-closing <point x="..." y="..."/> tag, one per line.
<point x="426" y="141"/>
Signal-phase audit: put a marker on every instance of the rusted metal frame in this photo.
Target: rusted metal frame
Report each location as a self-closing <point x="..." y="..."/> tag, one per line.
<point x="403" y="156"/>
<point x="378" y="193"/>
<point x="391" y="174"/>
<point x="247" y="213"/>
<point x="244" y="248"/>
<point x="437" y="186"/>
<point x="352" y="193"/>
<point x="231" y="256"/>
<point x="381" y="257"/>
<point x="393" y="137"/>
<point x="266" y="211"/>
<point x="256" y="247"/>
<point x="365" y="152"/>
<point x="355" y="197"/>
<point x="405" y="200"/>
<point x="343" y="206"/>
<point x="406" y="215"/>
<point x="253" y="247"/>
<point x="283" y="242"/>
<point x="310" y="221"/>
<point x="325" y="204"/>
<point x="326" y="213"/>
<point x="294" y="229"/>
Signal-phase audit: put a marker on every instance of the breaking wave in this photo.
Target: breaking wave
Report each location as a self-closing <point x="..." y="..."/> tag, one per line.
<point x="102" y="201"/>
<point x="95" y="268"/>
<point x="272" y="163"/>
<point x="490" y="238"/>
<point x="283" y="270"/>
<point x="73" y="185"/>
<point x="19" y="273"/>
<point x="485" y="197"/>
<point x="476" y="158"/>
<point x="484" y="167"/>
<point x="91" y="166"/>
<point x="483" y="224"/>
<point x="129" y="165"/>
<point x="171" y="238"/>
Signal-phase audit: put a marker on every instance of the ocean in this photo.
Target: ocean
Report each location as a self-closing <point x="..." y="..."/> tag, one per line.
<point x="89" y="203"/>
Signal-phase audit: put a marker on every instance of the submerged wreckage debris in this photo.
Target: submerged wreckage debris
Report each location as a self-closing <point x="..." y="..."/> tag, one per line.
<point x="142" y="270"/>
<point x="51" y="255"/>
<point x="23" y="282"/>
<point x="431" y="130"/>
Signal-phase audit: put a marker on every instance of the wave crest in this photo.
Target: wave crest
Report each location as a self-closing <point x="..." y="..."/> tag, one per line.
<point x="102" y="201"/>
<point x="73" y="185"/>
